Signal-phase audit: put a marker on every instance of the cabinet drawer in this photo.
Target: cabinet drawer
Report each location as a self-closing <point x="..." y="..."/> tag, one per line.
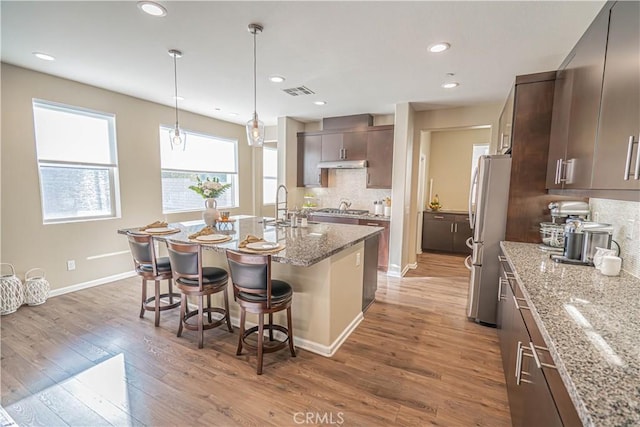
<point x="432" y="216"/>
<point x="374" y="223"/>
<point x="462" y="219"/>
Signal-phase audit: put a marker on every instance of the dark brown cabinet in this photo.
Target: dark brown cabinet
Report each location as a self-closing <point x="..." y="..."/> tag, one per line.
<point x="309" y="155"/>
<point x="617" y="153"/>
<point x="334" y="219"/>
<point x="535" y="390"/>
<point x="576" y="108"/>
<point x="445" y="232"/>
<point x="344" y="146"/>
<point x="379" y="157"/>
<point x="383" y="245"/>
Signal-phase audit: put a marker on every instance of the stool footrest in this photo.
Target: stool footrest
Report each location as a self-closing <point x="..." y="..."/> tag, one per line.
<point x="268" y="346"/>
<point x="206" y="325"/>
<point x="150" y="303"/>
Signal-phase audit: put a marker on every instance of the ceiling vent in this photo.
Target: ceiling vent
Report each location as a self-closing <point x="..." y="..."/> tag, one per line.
<point x="300" y="90"/>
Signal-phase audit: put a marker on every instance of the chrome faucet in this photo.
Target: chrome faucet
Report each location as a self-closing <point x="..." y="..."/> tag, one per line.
<point x="278" y="203"/>
<point x="344" y="205"/>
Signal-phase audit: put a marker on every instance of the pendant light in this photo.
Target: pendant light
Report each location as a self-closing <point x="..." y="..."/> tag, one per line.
<point x="255" y="128"/>
<point x="177" y="137"/>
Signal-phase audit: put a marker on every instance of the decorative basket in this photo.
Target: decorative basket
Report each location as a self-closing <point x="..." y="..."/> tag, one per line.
<point x="11" y="291"/>
<point x="36" y="287"/>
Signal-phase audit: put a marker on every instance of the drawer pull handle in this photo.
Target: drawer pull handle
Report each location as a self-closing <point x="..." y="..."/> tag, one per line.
<point x="537" y="359"/>
<point x="372" y="223"/>
<point x="438" y="217"/>
<point x="502" y="258"/>
<point x="518" y="306"/>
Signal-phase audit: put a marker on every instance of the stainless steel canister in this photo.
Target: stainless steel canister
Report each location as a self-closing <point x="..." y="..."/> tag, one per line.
<point x="594" y="239"/>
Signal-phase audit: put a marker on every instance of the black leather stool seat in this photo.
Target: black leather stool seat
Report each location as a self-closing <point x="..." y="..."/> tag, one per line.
<point x="162" y="264"/>
<point x="210" y="276"/>
<point x="279" y="291"/>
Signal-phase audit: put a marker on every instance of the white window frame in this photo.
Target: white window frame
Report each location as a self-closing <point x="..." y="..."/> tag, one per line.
<point x="264" y="176"/>
<point x="112" y="167"/>
<point x="164" y="131"/>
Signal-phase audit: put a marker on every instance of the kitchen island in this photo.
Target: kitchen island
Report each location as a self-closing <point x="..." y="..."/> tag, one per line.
<point x="590" y="324"/>
<point x="331" y="267"/>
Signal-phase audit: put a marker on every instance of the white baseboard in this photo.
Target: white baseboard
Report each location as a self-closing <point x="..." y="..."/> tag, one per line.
<point x="91" y="283"/>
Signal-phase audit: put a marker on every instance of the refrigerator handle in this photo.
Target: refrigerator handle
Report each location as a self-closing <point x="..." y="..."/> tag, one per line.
<point x="467" y="263"/>
<point x="469" y="242"/>
<point x="474" y="183"/>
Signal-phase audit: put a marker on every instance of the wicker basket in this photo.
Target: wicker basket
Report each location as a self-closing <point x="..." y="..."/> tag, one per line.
<point x="11" y="291"/>
<point x="36" y="287"/>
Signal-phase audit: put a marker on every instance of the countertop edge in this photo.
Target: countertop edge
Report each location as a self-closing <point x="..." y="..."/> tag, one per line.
<point x="580" y="406"/>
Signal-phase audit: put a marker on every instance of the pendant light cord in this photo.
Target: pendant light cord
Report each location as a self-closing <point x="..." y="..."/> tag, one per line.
<point x="175" y="83"/>
<point x="255" y="108"/>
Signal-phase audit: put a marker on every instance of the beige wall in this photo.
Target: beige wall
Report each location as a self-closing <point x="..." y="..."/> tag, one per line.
<point x="26" y="242"/>
<point x="450" y="165"/>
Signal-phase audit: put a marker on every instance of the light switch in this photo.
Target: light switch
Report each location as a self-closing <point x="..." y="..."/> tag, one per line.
<point x="357" y="259"/>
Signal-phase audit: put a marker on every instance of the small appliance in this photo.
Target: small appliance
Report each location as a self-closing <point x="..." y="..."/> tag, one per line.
<point x="581" y="240"/>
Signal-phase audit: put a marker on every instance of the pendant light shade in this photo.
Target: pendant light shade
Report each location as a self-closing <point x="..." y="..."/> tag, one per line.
<point x="255" y="128"/>
<point x="177" y="137"/>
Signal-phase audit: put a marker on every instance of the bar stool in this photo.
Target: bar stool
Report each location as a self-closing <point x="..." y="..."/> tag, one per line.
<point x="151" y="268"/>
<point x="194" y="280"/>
<point x="256" y="292"/>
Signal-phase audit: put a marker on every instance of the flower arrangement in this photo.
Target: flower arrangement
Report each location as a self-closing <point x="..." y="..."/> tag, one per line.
<point x="435" y="203"/>
<point x="209" y="188"/>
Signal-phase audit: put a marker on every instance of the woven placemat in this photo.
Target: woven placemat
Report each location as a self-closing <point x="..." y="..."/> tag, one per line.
<point x="271" y="251"/>
<point x="216" y="242"/>
<point x="173" y="231"/>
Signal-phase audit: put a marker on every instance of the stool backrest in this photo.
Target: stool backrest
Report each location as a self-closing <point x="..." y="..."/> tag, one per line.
<point x="143" y="251"/>
<point x="250" y="274"/>
<point x="186" y="261"/>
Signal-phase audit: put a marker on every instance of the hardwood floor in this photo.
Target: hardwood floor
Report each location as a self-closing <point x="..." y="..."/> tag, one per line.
<point x="86" y="359"/>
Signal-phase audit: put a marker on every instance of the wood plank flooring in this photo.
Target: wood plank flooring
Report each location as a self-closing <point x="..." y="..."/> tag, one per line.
<point x="86" y="359"/>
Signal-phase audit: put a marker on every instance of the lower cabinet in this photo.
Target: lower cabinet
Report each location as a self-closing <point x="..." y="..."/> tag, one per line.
<point x="537" y="396"/>
<point x="446" y="232"/>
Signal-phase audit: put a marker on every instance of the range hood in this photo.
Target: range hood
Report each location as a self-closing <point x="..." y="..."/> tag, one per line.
<point x="343" y="164"/>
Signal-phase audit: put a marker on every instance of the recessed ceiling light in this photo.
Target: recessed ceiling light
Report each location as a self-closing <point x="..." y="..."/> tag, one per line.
<point x="179" y="98"/>
<point x="450" y="85"/>
<point x="151" y="8"/>
<point x="320" y="102"/>
<point x="439" y="47"/>
<point x="233" y="114"/>
<point x="44" y="56"/>
<point x="276" y="79"/>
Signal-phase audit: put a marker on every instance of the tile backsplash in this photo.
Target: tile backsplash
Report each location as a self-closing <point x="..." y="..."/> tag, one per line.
<point x="350" y="184"/>
<point x="625" y="218"/>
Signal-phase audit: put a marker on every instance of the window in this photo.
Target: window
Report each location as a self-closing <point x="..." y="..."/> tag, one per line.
<point x="204" y="156"/>
<point x="77" y="162"/>
<point x="269" y="175"/>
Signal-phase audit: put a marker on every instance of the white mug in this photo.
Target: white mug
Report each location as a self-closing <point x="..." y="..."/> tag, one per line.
<point x="610" y="265"/>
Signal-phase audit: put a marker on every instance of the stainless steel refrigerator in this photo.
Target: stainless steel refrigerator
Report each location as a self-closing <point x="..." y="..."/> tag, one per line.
<point x="488" y="201"/>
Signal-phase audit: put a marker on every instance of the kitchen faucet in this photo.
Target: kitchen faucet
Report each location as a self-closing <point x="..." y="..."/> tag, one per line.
<point x="278" y="202"/>
<point x="344" y="205"/>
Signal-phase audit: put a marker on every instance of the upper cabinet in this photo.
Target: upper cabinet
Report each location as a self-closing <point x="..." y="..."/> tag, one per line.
<point x="576" y="108"/>
<point x="309" y="153"/>
<point x="617" y="153"/>
<point x="379" y="157"/>
<point x="595" y="129"/>
<point x="344" y="146"/>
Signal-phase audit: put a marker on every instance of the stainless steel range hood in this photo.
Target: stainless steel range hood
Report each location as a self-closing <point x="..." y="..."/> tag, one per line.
<point x="343" y="164"/>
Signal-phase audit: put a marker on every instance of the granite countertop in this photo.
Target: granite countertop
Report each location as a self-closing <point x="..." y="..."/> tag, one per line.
<point x="305" y="246"/>
<point x="361" y="216"/>
<point x="591" y="325"/>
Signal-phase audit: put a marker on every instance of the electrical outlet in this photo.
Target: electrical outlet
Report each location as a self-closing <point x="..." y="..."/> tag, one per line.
<point x="71" y="265"/>
<point x="357" y="259"/>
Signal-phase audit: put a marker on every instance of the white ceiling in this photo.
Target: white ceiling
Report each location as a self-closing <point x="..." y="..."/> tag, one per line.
<point x="360" y="57"/>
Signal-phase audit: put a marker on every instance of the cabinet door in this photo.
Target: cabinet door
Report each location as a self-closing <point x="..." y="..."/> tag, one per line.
<point x="461" y="232"/>
<point x="437" y="233"/>
<point x="332" y="147"/>
<point x="309" y="151"/>
<point x="354" y="146"/>
<point x="383" y="245"/>
<point x="379" y="158"/>
<point x="587" y="67"/>
<point x="559" y="128"/>
<point x="620" y="109"/>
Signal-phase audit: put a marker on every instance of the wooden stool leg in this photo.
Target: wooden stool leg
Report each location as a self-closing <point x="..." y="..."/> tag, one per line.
<point x="200" y="323"/>
<point x="290" y="333"/>
<point x="226" y="309"/>
<point x="183" y="306"/>
<point x="144" y="297"/>
<point x="170" y="291"/>
<point x="157" y="302"/>
<point x="209" y="306"/>
<point x="260" y="341"/>
<point x="243" y="314"/>
<point x="270" y="326"/>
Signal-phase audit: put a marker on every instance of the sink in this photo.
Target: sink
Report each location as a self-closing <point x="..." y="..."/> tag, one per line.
<point x="343" y="212"/>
